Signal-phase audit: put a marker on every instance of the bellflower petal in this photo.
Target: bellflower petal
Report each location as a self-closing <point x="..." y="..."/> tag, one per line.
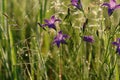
<point x="88" y="39"/>
<point x="115" y="43"/>
<point x="110" y="11"/>
<point x="58" y="44"/>
<point x="52" y="26"/>
<point x="47" y="21"/>
<point x="117" y="6"/>
<point x="53" y="18"/>
<point x="118" y="49"/>
<point x="50" y="22"/>
<point x="60" y="38"/>
<point x="76" y="3"/>
<point x="112" y="5"/>
<point x="106" y="4"/>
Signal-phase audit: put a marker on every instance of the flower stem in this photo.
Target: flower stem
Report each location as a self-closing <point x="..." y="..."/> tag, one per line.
<point x="60" y="64"/>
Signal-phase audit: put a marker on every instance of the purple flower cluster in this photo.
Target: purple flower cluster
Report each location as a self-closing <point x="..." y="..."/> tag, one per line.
<point x="112" y="5"/>
<point x="117" y="43"/>
<point x="60" y="37"/>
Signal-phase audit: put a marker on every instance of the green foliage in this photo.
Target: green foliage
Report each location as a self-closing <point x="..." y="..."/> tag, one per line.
<point x="27" y="52"/>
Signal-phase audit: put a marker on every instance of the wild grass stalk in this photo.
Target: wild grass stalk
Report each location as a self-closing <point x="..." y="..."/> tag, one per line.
<point x="11" y="49"/>
<point x="116" y="70"/>
<point x="42" y="12"/>
<point x="13" y="55"/>
<point x="7" y="52"/>
<point x="27" y="52"/>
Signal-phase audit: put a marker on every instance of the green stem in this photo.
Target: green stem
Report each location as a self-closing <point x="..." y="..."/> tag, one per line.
<point x="60" y="64"/>
<point x="13" y="54"/>
<point x="116" y="70"/>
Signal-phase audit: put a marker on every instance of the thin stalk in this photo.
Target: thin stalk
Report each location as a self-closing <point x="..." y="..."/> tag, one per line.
<point x="5" y="63"/>
<point x="116" y="70"/>
<point x="28" y="72"/>
<point x="112" y="69"/>
<point x="13" y="54"/>
<point x="45" y="7"/>
<point x="41" y="59"/>
<point x="41" y="16"/>
<point x="60" y="64"/>
<point x="9" y="45"/>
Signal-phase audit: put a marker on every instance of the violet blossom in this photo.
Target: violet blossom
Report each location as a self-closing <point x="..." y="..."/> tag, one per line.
<point x="60" y="38"/>
<point x="50" y="22"/>
<point x="77" y="4"/>
<point x="88" y="39"/>
<point x="117" y="43"/>
<point x="112" y="5"/>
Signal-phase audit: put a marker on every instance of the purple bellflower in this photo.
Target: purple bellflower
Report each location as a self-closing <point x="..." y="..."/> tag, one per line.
<point x="60" y="38"/>
<point x="88" y="39"/>
<point x="117" y="43"/>
<point x="112" y="5"/>
<point x="50" y="23"/>
<point x="77" y="4"/>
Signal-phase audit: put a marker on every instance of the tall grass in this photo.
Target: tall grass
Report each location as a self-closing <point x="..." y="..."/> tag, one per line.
<point x="27" y="52"/>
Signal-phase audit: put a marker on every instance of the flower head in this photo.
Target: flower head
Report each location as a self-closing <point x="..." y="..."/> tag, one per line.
<point x="88" y="39"/>
<point x="112" y="5"/>
<point x="60" y="38"/>
<point x="50" y="23"/>
<point x="117" y="43"/>
<point x="76" y="3"/>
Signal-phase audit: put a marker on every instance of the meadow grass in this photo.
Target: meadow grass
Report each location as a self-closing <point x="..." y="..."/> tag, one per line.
<point x="27" y="51"/>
